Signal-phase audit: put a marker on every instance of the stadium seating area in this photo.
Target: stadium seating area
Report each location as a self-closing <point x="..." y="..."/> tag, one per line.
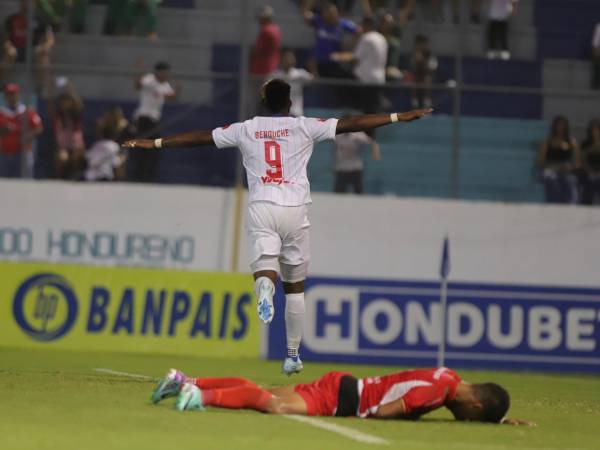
<point x="550" y="45"/>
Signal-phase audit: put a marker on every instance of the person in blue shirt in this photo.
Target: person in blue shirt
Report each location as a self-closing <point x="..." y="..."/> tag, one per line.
<point x="330" y="30"/>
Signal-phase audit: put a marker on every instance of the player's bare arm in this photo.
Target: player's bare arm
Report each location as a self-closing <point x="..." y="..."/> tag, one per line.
<point x="391" y="410"/>
<point x="370" y="121"/>
<point x="189" y="139"/>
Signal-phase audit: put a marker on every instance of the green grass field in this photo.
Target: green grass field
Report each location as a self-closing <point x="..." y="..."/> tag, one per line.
<point x="55" y="400"/>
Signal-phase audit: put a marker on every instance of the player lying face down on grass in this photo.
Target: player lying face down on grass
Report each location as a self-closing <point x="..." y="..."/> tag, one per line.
<point x="276" y="149"/>
<point x="401" y="395"/>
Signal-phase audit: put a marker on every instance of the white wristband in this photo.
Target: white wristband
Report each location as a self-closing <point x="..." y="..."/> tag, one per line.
<point x="157" y="143"/>
<point x="394" y="117"/>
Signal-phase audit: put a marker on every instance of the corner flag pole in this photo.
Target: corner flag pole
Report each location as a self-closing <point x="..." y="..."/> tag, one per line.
<point x="444" y="270"/>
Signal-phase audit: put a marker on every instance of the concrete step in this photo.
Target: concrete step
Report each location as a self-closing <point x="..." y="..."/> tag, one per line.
<point x="124" y="52"/>
<point x="445" y="40"/>
<point x="118" y="85"/>
<point x="223" y="26"/>
<point x="579" y="110"/>
<point x="566" y="74"/>
<point x="202" y="25"/>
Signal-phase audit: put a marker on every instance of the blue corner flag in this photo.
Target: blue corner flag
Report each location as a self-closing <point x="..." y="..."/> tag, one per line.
<point x="445" y="262"/>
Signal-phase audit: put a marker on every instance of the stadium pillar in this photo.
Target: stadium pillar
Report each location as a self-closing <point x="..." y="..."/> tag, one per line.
<point x="243" y="80"/>
<point x="458" y="76"/>
<point x="26" y="88"/>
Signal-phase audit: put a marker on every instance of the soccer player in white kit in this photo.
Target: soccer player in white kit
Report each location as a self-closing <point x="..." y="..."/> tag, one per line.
<point x="276" y="150"/>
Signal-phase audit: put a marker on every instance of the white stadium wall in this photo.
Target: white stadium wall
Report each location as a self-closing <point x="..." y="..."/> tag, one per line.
<point x="524" y="286"/>
<point x="369" y="237"/>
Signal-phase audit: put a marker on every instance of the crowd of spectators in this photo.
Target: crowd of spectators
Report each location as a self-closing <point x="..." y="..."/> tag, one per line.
<point x="570" y="172"/>
<point x="77" y="155"/>
<point x="367" y="54"/>
<point x="103" y="160"/>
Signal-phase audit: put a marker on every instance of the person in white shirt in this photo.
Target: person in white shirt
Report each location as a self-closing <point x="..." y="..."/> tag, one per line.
<point x="370" y="60"/>
<point x="104" y="160"/>
<point x="275" y="152"/>
<point x="498" y="14"/>
<point x="154" y="88"/>
<point x="596" y="58"/>
<point x="348" y="162"/>
<point x="296" y="78"/>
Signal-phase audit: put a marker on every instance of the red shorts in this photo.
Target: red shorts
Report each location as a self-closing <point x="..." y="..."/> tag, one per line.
<point x="321" y="396"/>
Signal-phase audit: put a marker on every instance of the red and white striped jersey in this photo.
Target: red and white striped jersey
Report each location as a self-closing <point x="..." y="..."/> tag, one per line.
<point x="275" y="152"/>
<point x="421" y="390"/>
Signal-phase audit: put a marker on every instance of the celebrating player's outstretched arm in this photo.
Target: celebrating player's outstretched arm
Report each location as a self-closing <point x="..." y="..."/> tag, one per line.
<point x="189" y="139"/>
<point x="368" y="122"/>
<point x="276" y="149"/>
<point x="345" y="125"/>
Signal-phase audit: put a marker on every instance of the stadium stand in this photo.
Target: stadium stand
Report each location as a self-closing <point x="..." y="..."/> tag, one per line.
<point x="198" y="38"/>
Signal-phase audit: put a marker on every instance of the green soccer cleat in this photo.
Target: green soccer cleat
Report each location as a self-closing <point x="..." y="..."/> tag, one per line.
<point x="169" y="386"/>
<point x="189" y="399"/>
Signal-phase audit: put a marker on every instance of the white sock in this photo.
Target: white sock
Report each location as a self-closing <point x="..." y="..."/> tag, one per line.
<point x="294" y="321"/>
<point x="258" y="283"/>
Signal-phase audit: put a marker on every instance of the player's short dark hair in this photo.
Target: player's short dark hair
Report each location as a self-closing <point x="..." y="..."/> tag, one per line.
<point x="160" y="66"/>
<point x="276" y="95"/>
<point x="494" y="399"/>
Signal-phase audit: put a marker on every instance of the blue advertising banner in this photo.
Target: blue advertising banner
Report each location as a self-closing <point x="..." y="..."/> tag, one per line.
<point x="490" y="326"/>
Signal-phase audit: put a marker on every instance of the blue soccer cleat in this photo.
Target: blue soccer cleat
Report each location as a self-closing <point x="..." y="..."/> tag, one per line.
<point x="189" y="399"/>
<point x="169" y="386"/>
<point x="291" y="366"/>
<point x="266" y="310"/>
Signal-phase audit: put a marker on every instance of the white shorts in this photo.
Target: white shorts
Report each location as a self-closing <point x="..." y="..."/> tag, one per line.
<point x="279" y="240"/>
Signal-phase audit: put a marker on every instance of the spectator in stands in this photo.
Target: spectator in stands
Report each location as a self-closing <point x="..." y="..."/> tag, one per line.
<point x="596" y="58"/>
<point x="66" y="114"/>
<point x="15" y="44"/>
<point x="114" y="126"/>
<point x="500" y="11"/>
<point x="330" y="30"/>
<point x="348" y="162"/>
<point x="296" y="78"/>
<point x="64" y="14"/>
<point x="559" y="156"/>
<point x="369" y="59"/>
<point x="423" y="64"/>
<point x="590" y="149"/>
<point x="392" y="31"/>
<point x="105" y="160"/>
<point x="154" y="89"/>
<point x="264" y="56"/>
<point x="47" y="12"/>
<point x="475" y="11"/>
<point x="125" y="17"/>
<point x="19" y="126"/>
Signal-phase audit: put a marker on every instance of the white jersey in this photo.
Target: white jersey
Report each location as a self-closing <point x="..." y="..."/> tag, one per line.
<point x="152" y="97"/>
<point x="275" y="152"/>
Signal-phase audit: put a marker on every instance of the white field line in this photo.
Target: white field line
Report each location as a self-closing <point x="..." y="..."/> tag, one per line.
<point x="124" y="374"/>
<point x="334" y="428"/>
<point x="340" y="429"/>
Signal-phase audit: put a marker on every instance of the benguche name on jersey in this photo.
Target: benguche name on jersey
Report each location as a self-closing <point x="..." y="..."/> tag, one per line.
<point x="271" y="134"/>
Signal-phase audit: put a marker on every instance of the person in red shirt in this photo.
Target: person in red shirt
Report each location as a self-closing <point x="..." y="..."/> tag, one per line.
<point x="264" y="59"/>
<point x="13" y="117"/>
<point x="402" y="395"/>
